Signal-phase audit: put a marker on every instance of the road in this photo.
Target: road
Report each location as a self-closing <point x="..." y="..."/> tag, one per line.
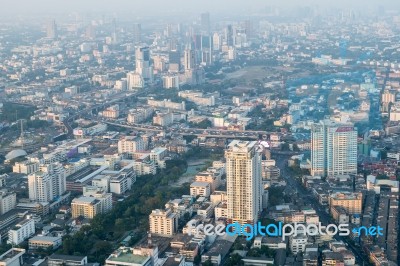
<point x="325" y="218"/>
<point x="116" y="98"/>
<point x="210" y="133"/>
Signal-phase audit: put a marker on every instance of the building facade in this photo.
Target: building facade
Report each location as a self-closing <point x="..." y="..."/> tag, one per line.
<point x="163" y="222"/>
<point x="21" y="231"/>
<point x="333" y="149"/>
<point x="244" y="186"/>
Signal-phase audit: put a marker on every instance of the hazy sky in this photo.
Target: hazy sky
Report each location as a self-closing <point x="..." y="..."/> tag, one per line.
<point x="158" y="6"/>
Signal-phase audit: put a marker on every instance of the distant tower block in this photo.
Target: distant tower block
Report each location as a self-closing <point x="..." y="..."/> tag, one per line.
<point x="137" y="33"/>
<point x="51" y="31"/>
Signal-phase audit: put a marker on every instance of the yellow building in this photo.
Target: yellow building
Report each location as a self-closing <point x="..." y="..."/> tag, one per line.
<point x="163" y="222"/>
<point x="87" y="207"/>
<point x="351" y="202"/>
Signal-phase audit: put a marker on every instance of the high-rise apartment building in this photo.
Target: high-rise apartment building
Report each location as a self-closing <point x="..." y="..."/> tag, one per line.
<point x="217" y="42"/>
<point x="189" y="59"/>
<point x="25" y="167"/>
<point x="137" y="33"/>
<point x="244" y="186"/>
<point x="248" y="27"/>
<point x="206" y="49"/>
<point x="8" y="201"/>
<point x="174" y="61"/>
<point x="171" y="82"/>
<point x="387" y="99"/>
<point x="143" y="67"/>
<point x="40" y="187"/>
<point x="90" y="32"/>
<point x="57" y="175"/>
<point x="229" y="35"/>
<point x="134" y="80"/>
<point x="333" y="149"/>
<point x="48" y="183"/>
<point x="51" y="30"/>
<point x="205" y="22"/>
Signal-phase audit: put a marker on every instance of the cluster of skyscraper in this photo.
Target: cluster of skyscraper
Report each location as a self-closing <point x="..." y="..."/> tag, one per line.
<point x="333" y="152"/>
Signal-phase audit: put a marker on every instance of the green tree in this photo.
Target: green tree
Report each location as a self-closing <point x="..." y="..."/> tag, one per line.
<point x="265" y="250"/>
<point x="197" y="259"/>
<point x="207" y="263"/>
<point x="234" y="260"/>
<point x="285" y="147"/>
<point x="254" y="252"/>
<point x="103" y="247"/>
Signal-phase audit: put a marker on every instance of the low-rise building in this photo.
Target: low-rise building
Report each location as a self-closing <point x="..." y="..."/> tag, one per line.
<point x="221" y="210"/>
<point x="351" y="202"/>
<point x="163" y="119"/>
<point x="298" y="243"/>
<point x="212" y="176"/>
<point x="25" y="167"/>
<point x="332" y="258"/>
<point x="111" y="112"/>
<point x="131" y="144"/>
<point x="138" y="256"/>
<point x="87" y="207"/>
<point x="163" y="222"/>
<point x="12" y="257"/>
<point x="200" y="189"/>
<point x="66" y="260"/>
<point x="139" y="115"/>
<point x="44" y="242"/>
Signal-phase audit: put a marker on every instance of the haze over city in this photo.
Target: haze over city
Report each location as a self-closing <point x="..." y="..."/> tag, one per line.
<point x="156" y="7"/>
<point x="199" y="133"/>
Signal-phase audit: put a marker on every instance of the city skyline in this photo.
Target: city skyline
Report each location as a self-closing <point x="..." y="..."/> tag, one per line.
<point x="133" y="132"/>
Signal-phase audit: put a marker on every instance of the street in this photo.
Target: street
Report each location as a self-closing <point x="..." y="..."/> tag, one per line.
<point x="325" y="218"/>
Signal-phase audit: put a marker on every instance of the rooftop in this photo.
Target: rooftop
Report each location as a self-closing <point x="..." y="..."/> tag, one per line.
<point x="11" y="253"/>
<point x="89" y="200"/>
<point x="66" y="257"/>
<point x="200" y="184"/>
<point x="44" y="238"/>
<point x="128" y="257"/>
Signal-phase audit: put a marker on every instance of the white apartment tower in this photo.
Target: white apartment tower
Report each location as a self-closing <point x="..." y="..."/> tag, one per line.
<point x="217" y="42"/>
<point x="244" y="186"/>
<point x="189" y="59"/>
<point x="131" y="144"/>
<point x="8" y="201"/>
<point x="171" y="82"/>
<point x="40" y="187"/>
<point x="333" y="149"/>
<point x="387" y="98"/>
<point x="142" y="61"/>
<point x="134" y="81"/>
<point x="48" y="183"/>
<point x="57" y="176"/>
